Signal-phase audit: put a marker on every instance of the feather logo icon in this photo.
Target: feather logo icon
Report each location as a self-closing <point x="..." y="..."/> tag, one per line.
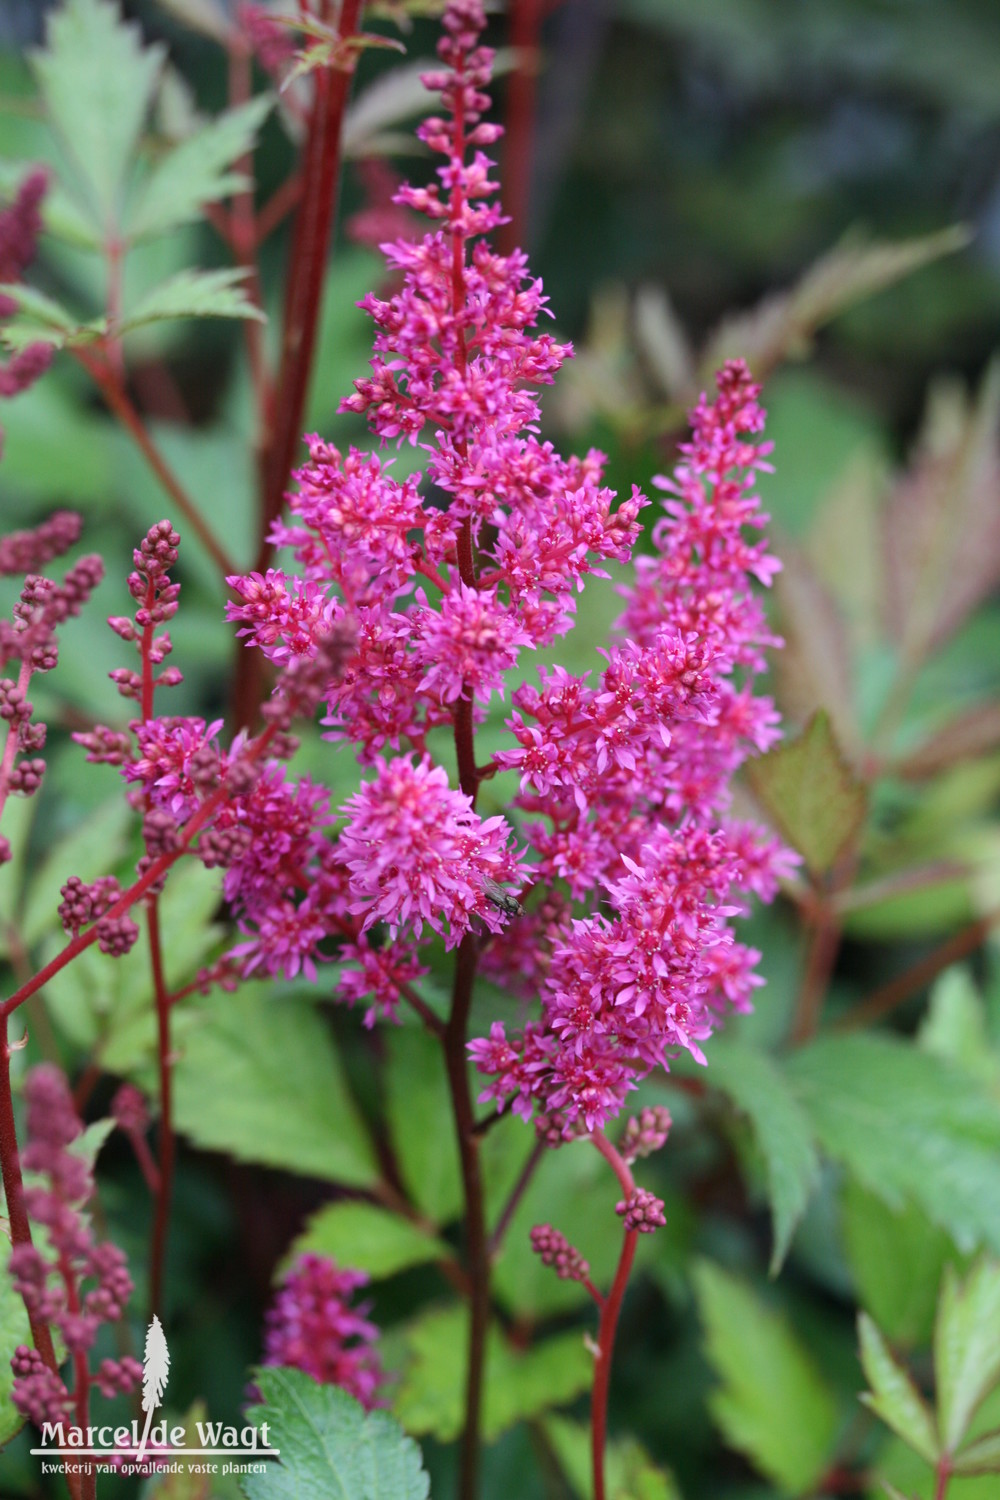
<point x="155" y="1369"/>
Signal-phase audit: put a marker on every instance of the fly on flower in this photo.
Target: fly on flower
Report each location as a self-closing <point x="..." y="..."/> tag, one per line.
<point x="501" y="898"/>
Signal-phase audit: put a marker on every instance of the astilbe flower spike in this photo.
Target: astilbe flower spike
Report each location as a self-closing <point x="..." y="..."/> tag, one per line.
<point x="30" y="639"/>
<point x="20" y="226"/>
<point x="440" y="582"/>
<point x="75" y="1283"/>
<point x="312" y="1326"/>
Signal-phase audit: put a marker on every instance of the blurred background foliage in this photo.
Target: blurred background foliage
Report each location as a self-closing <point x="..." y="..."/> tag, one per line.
<point x="814" y="184"/>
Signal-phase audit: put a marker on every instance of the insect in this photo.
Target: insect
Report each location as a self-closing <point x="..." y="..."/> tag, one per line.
<point x="502" y="899"/>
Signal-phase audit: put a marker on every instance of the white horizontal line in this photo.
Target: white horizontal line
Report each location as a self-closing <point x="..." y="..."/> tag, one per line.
<point x="154" y="1453"/>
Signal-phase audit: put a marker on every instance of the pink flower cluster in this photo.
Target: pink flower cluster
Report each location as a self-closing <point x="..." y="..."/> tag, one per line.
<point x="20" y="226"/>
<point x="29" y="638"/>
<point x="627" y="786"/>
<point x="52" y="1282"/>
<point x="313" y="1327"/>
<point x="440" y="581"/>
<point x="435" y="584"/>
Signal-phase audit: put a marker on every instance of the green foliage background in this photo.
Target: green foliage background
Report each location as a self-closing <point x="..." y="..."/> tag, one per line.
<point x="693" y="158"/>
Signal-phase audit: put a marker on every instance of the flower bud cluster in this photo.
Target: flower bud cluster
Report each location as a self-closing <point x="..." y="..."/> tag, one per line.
<point x="555" y="1250"/>
<point x="20" y="226"/>
<point x="74" y="1283"/>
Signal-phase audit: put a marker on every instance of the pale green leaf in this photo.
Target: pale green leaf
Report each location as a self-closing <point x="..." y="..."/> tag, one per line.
<point x="783" y="324"/>
<point x="106" y="1005"/>
<point x="897" y="1259"/>
<point x="773" y="1404"/>
<point x="966" y="1347"/>
<point x="893" y="1396"/>
<point x="330" y="1446"/>
<point x="758" y="1087"/>
<point x="909" y="1127"/>
<point x="811" y="794"/>
<point x="260" y="1079"/>
<point x="193" y="294"/>
<point x="196" y="172"/>
<point x="39" y="319"/>
<point x="630" y="1472"/>
<point x="416" y="1101"/>
<point x="981" y="1456"/>
<point x="367" y="1238"/>
<point x="517" y="1385"/>
<point x="97" y="82"/>
<point x="956" y="1028"/>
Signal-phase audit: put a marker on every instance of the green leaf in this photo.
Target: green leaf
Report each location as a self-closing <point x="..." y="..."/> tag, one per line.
<point x="416" y="1101"/>
<point x="909" y="1127"/>
<point x="773" y="1404"/>
<point x="573" y="1190"/>
<point x="897" y="1260"/>
<point x="18" y="818"/>
<point x="39" y="319"/>
<point x="367" y="1238"/>
<point x="193" y="294"/>
<point x="783" y="324"/>
<point x="811" y="793"/>
<point x="95" y="1135"/>
<point x="91" y="849"/>
<point x="330" y="1445"/>
<point x="97" y="82"/>
<point x="106" y="1004"/>
<point x="893" y="1396"/>
<point x="758" y="1087"/>
<point x="14" y="1330"/>
<point x="981" y="1456"/>
<point x="517" y="1385"/>
<point x="629" y="1470"/>
<point x="261" y="1080"/>
<point x="196" y="172"/>
<point x="956" y="1028"/>
<point x="966" y="1347"/>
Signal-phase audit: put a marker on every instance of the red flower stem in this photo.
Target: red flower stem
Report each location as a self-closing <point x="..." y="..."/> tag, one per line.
<point x="476" y="1247"/>
<point x="244" y="239"/>
<point x="135" y="892"/>
<point x="609" y="1322"/>
<point x="320" y="176"/>
<point x="313" y="226"/>
<point x="117" y="399"/>
<point x="519" y="125"/>
<point x="516" y="1194"/>
<point x="161" y="1219"/>
<point x="13" y="1186"/>
<point x="943" y="1477"/>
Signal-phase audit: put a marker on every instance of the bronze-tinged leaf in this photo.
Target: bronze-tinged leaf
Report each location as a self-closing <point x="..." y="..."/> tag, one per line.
<point x="971" y="734"/>
<point x="843" y="546"/>
<point x="782" y="325"/>
<point x="941" y="527"/>
<point x="811" y="794"/>
<point x="814" y="669"/>
<point x="663" y="344"/>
